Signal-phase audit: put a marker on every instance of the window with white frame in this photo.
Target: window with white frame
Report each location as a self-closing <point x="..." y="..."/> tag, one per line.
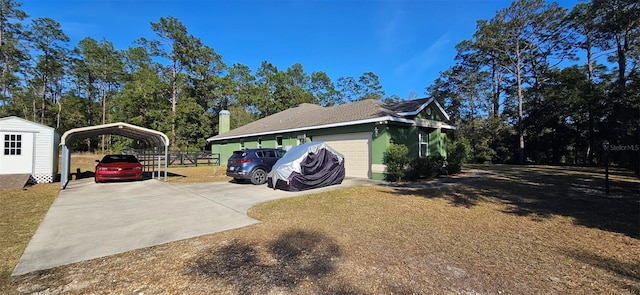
<point x="259" y="142"/>
<point x="242" y="145"/>
<point x="12" y="144"/>
<point x="423" y="142"/>
<point x="279" y="141"/>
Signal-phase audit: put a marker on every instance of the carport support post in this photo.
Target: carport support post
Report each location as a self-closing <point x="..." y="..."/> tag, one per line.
<point x="166" y="165"/>
<point x="66" y="159"/>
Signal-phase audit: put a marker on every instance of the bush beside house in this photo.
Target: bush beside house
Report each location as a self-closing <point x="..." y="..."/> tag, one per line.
<point x="400" y="166"/>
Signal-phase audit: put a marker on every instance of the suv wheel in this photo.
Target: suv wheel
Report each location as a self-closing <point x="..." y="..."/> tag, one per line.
<point x="258" y="176"/>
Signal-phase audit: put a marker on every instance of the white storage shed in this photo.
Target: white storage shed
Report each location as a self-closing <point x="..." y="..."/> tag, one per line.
<point x="29" y="148"/>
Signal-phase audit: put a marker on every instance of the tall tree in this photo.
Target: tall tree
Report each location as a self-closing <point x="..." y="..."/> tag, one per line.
<point x="517" y="33"/>
<point x="585" y="35"/>
<point x="142" y="100"/>
<point x="204" y="85"/>
<point x="297" y="85"/>
<point x="174" y="45"/>
<point x="618" y="22"/>
<point x="370" y="85"/>
<point x="323" y="89"/>
<point x="348" y="88"/>
<point x="97" y="70"/>
<point x="267" y="85"/>
<point x="13" y="52"/>
<point x="50" y="44"/>
<point x="240" y="92"/>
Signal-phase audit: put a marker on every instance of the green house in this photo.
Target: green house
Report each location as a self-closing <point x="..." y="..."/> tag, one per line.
<point x="361" y="131"/>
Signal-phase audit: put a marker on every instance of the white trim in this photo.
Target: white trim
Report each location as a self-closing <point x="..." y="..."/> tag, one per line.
<point x="421" y="142"/>
<point x="433" y="124"/>
<point x="424" y="105"/>
<point x="378" y="168"/>
<point x="19" y="131"/>
<point x="373" y="120"/>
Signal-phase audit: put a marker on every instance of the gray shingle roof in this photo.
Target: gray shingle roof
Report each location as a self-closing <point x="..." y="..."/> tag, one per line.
<point x="311" y="116"/>
<point x="408" y="105"/>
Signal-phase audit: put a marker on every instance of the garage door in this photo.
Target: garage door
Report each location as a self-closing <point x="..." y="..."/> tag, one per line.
<point x="355" y="148"/>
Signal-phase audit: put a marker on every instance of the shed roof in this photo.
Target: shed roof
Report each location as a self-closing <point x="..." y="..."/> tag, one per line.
<point x="148" y="136"/>
<point x="310" y="116"/>
<point x="31" y="123"/>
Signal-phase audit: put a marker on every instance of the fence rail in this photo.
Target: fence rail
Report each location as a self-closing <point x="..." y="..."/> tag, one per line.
<point x="179" y="158"/>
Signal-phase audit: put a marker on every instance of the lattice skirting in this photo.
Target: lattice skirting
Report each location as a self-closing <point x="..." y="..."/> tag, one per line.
<point x="41" y="178"/>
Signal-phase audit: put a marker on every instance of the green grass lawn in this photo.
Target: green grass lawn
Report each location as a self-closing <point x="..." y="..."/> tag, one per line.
<point x="514" y="230"/>
<point x="21" y="211"/>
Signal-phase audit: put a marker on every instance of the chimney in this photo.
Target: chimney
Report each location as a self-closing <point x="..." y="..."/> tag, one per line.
<point x="224" y="121"/>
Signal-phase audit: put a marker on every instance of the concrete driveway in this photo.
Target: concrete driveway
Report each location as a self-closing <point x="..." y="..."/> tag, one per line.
<point x="90" y="220"/>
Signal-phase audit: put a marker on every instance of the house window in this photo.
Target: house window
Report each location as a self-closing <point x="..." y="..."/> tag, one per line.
<point x="423" y="145"/>
<point x="242" y="145"/>
<point x="259" y="142"/>
<point x="13" y="144"/>
<point x="279" y="141"/>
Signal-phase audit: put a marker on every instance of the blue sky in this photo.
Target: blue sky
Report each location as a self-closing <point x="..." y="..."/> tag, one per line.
<point x="405" y="43"/>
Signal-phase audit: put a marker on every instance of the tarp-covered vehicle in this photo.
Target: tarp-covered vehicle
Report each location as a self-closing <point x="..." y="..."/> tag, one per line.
<point x="307" y="166"/>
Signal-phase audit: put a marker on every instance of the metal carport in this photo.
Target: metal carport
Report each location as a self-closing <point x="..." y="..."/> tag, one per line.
<point x="150" y="138"/>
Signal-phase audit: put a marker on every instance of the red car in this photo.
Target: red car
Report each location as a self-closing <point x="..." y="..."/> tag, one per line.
<point x="118" y="167"/>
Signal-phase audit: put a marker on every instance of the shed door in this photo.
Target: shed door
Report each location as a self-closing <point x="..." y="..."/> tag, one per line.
<point x="356" y="150"/>
<point x="16" y="156"/>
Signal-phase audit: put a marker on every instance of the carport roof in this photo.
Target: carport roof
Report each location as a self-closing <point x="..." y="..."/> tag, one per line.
<point x="148" y="136"/>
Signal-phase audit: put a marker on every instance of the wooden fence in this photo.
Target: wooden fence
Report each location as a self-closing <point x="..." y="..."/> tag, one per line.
<point x="179" y="158"/>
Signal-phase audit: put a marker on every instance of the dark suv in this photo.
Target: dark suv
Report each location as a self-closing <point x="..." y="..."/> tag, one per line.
<point x="253" y="164"/>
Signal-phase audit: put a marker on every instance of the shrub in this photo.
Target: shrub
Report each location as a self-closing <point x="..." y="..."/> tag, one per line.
<point x="418" y="168"/>
<point x="396" y="158"/>
<point x="426" y="167"/>
<point x="437" y="165"/>
<point x="458" y="155"/>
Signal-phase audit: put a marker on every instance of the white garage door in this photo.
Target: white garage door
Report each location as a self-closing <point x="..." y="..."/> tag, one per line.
<point x="355" y="148"/>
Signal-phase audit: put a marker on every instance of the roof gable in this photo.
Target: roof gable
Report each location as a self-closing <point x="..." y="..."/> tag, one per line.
<point x="414" y="107"/>
<point x="27" y="122"/>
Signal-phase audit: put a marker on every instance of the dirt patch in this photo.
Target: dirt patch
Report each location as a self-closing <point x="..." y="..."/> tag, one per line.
<point x="14" y="180"/>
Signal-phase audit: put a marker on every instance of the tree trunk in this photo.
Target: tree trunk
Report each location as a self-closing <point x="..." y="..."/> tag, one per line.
<point x="43" y="109"/>
<point x="104" y="111"/>
<point x="622" y="62"/>
<point x="520" y="101"/>
<point x="58" y="116"/>
<point x="174" y="101"/>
